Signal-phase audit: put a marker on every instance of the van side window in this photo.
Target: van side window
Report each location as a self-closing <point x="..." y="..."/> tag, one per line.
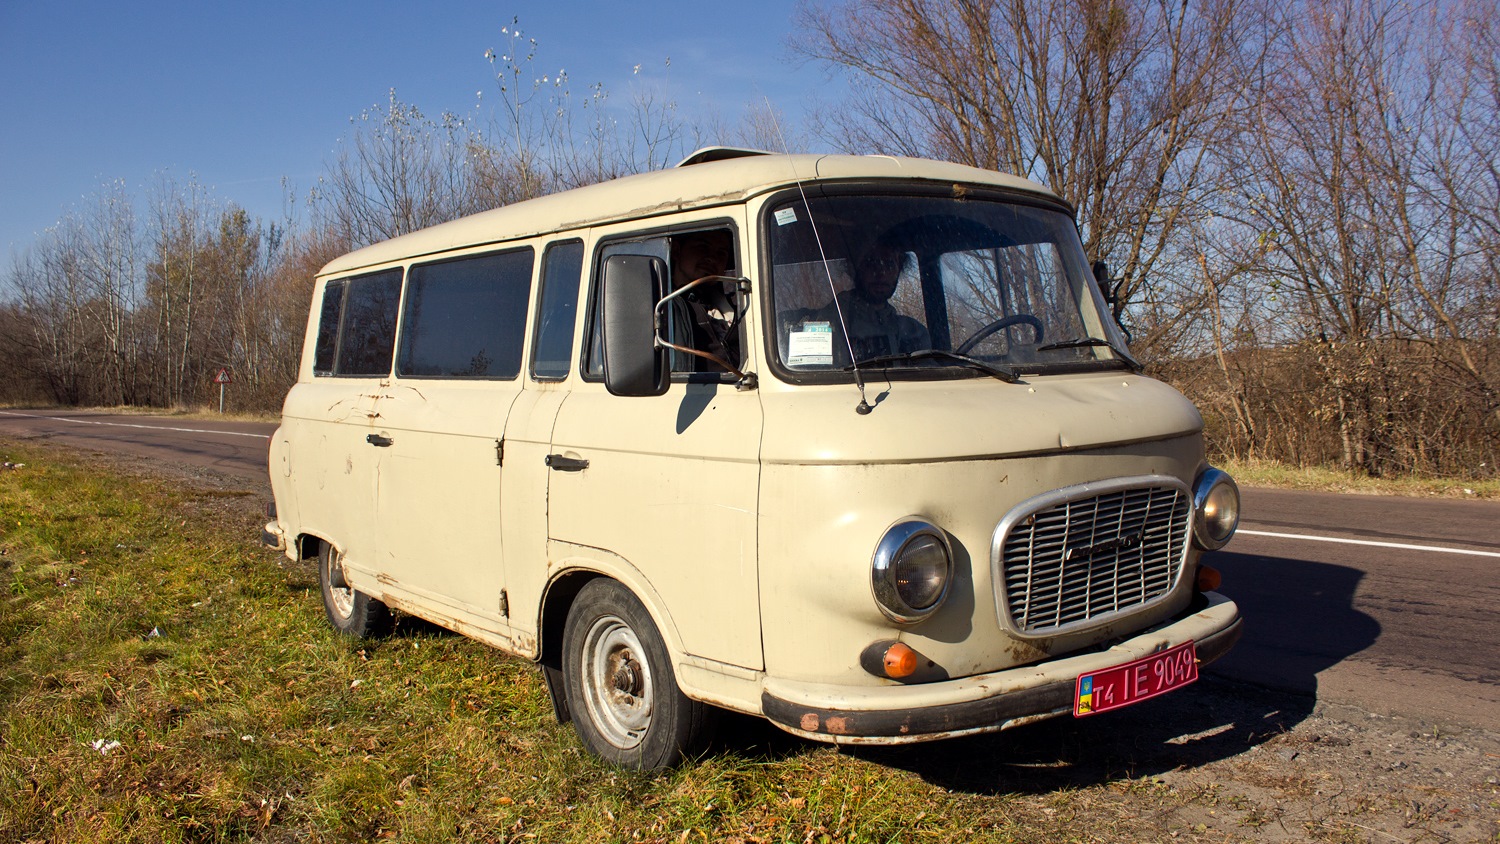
<point x="328" y="328"/>
<point x="706" y="319"/>
<point x="357" y="325"/>
<point x="466" y="318"/>
<point x="562" y="268"/>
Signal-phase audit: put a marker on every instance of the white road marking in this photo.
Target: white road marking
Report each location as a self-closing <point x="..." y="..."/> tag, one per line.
<point x="127" y="425"/>
<point x="1399" y="545"/>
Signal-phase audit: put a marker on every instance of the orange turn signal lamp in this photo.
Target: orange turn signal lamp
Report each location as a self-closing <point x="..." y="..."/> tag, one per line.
<point x="1208" y="578"/>
<point x="899" y="661"/>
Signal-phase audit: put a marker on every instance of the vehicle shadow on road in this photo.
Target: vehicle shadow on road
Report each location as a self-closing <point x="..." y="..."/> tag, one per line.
<point x="1299" y="620"/>
<point x="1210" y="721"/>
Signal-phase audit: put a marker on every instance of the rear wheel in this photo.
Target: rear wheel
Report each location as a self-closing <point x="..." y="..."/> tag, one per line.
<point x="621" y="690"/>
<point x="351" y="612"/>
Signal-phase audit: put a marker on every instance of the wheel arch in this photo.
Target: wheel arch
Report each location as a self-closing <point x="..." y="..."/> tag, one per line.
<point x="307" y="545"/>
<point x="569" y="578"/>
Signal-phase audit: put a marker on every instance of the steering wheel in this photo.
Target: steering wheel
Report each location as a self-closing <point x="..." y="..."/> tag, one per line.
<point x="999" y="325"/>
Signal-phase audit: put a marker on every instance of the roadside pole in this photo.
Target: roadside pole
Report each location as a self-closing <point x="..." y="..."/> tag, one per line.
<point x="222" y="378"/>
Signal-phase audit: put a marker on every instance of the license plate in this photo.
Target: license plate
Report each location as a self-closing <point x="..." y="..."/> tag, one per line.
<point x="1135" y="681"/>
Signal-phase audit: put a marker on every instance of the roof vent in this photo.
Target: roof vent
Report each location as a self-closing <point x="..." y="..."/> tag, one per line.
<point x="708" y="154"/>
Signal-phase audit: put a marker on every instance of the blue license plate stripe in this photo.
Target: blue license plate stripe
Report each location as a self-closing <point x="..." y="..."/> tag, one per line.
<point x="1132" y="682"/>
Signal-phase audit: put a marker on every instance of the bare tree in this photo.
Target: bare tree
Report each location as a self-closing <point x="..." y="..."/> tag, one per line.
<point x="399" y="172"/>
<point x="1115" y="104"/>
<point x="78" y="288"/>
<point x="1359" y="186"/>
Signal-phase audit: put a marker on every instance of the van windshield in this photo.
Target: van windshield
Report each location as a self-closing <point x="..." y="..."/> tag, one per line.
<point x="935" y="286"/>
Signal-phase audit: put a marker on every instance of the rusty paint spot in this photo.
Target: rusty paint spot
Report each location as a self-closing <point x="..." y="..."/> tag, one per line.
<point x="838" y="726"/>
<point x="1022" y="653"/>
<point x="810" y="722"/>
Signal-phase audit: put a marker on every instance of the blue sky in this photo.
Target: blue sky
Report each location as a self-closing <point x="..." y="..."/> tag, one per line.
<point x="243" y="95"/>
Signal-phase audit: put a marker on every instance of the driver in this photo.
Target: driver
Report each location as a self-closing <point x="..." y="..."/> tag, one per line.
<point x="873" y="325"/>
<point x="704" y="317"/>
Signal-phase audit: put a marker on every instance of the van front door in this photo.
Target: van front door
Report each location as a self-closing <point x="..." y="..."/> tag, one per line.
<point x="668" y="484"/>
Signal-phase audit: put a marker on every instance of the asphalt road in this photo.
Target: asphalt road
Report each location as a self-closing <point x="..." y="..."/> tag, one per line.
<point x="1393" y="630"/>
<point x="237" y="449"/>
<point x="1381" y="603"/>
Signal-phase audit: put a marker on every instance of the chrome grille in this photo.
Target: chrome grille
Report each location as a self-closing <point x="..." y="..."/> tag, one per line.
<point x="1064" y="563"/>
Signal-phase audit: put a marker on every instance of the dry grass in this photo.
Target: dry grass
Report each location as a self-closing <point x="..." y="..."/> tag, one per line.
<point x="1273" y="474"/>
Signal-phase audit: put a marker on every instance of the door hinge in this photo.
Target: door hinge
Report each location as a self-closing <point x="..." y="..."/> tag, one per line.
<point x="500" y="452"/>
<point x="504" y="604"/>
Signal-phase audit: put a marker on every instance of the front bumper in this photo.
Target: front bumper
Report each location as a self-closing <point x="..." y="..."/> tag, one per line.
<point x="985" y="702"/>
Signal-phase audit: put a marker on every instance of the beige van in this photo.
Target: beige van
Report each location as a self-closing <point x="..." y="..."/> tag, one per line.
<point x="850" y="443"/>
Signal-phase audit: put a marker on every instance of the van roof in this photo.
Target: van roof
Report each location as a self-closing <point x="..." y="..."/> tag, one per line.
<point x="703" y="183"/>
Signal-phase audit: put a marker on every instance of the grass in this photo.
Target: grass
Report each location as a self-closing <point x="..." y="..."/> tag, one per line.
<point x="1322" y="479"/>
<point x="141" y="612"/>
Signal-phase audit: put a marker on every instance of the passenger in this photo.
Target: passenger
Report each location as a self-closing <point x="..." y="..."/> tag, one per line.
<point x="874" y="327"/>
<point x="705" y="316"/>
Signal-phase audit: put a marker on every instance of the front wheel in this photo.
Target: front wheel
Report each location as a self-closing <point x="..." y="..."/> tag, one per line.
<point x="351" y="612"/>
<point x="620" y="686"/>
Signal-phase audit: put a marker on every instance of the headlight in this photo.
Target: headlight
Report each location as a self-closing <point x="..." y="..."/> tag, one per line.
<point x="911" y="570"/>
<point x="1216" y="509"/>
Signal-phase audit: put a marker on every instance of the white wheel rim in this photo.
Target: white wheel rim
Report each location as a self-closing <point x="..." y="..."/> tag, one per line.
<point x="616" y="682"/>
<point x="339" y="592"/>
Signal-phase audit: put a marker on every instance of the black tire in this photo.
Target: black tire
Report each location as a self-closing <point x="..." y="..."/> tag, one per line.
<point x="621" y="689"/>
<point x="350" y="612"/>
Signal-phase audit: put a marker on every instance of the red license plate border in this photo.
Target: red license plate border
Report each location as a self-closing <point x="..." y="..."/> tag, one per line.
<point x="1082" y="708"/>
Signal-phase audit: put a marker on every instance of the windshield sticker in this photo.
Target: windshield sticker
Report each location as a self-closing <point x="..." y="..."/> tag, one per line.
<point x="811" y="344"/>
<point x="786" y="216"/>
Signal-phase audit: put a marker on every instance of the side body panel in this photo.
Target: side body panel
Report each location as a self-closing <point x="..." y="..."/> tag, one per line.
<point x="330" y="465"/>
<point x="438" y="500"/>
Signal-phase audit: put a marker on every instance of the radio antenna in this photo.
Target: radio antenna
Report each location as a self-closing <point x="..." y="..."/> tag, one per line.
<point x="864" y="406"/>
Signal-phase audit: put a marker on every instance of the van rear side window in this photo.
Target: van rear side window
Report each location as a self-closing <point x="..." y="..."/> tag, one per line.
<point x="369" y="334"/>
<point x="328" y="328"/>
<point x="357" y="325"/>
<point x="467" y="318"/>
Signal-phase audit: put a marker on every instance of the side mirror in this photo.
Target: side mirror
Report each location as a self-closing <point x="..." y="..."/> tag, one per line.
<point x="1111" y="292"/>
<point x="1106" y="284"/>
<point x="633" y="364"/>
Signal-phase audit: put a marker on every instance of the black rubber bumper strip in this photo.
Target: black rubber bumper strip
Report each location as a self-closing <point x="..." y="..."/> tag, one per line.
<point x="954" y="717"/>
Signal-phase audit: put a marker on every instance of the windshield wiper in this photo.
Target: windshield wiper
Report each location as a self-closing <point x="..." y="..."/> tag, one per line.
<point x="1003" y="373"/>
<point x="1081" y="342"/>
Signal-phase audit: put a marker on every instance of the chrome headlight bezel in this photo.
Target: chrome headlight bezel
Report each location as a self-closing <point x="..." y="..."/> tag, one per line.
<point x="1214" y="519"/>
<point x="893" y="553"/>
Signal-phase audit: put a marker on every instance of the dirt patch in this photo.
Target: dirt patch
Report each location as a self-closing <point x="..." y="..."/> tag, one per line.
<point x="1343" y="775"/>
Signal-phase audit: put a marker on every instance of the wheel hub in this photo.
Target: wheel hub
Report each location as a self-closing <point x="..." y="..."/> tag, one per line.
<point x="617" y="684"/>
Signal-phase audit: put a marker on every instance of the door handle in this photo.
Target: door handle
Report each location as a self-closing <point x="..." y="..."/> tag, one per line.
<point x="378" y="441"/>
<point x="566" y="464"/>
